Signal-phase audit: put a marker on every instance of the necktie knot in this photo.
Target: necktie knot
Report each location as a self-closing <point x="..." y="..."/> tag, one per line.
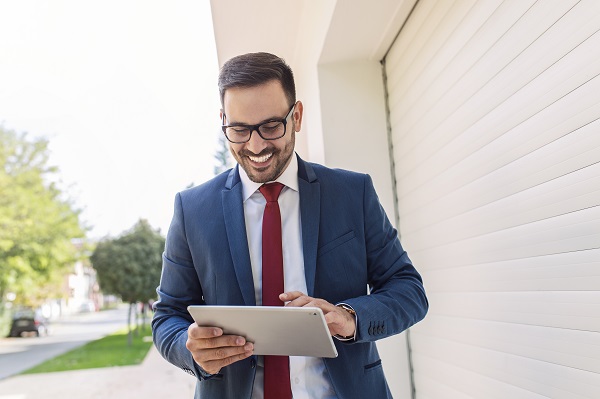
<point x="271" y="191"/>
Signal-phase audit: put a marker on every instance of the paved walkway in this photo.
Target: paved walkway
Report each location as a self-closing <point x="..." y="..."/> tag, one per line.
<point x="154" y="378"/>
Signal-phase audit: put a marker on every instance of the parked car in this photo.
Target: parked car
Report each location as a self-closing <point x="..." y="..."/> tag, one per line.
<point x="87" y="306"/>
<point x="28" y="321"/>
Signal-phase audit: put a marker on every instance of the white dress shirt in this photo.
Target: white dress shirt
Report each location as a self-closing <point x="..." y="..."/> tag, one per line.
<point x="308" y="375"/>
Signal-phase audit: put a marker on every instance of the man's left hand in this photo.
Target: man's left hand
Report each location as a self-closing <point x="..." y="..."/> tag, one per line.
<point x="339" y="321"/>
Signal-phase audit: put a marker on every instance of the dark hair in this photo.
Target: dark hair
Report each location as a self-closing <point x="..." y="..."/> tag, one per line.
<point x="254" y="69"/>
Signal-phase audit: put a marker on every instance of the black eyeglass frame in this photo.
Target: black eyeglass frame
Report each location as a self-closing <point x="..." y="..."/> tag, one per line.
<point x="256" y="128"/>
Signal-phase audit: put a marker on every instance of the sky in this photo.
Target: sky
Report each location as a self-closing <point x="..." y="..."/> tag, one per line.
<point x="125" y="91"/>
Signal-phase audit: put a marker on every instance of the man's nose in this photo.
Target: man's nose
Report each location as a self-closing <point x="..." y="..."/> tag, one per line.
<point x="256" y="143"/>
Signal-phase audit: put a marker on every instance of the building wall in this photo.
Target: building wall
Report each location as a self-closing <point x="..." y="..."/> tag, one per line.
<point x="353" y="119"/>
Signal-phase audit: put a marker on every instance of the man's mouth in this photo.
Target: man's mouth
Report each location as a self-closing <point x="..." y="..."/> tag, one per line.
<point x="260" y="159"/>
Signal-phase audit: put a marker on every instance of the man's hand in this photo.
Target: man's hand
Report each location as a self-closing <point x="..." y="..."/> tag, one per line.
<point x="339" y="321"/>
<point x="212" y="350"/>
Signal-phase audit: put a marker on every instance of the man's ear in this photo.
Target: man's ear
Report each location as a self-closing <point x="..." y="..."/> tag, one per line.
<point x="222" y="116"/>
<point x="298" y="112"/>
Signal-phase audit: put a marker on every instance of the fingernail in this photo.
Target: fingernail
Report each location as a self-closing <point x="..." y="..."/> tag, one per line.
<point x="249" y="346"/>
<point x="240" y="341"/>
<point x="283" y="295"/>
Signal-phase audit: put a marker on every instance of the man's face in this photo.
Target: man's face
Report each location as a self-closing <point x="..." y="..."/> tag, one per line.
<point x="263" y="160"/>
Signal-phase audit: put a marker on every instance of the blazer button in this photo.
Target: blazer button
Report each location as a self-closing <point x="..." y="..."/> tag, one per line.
<point x="253" y="362"/>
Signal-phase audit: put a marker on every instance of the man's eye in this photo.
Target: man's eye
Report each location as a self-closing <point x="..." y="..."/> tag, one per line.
<point x="271" y="126"/>
<point x="239" y="130"/>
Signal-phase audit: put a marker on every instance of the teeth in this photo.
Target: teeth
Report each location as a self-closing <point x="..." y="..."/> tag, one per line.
<point x="262" y="159"/>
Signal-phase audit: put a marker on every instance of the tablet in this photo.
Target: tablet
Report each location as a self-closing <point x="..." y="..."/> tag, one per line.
<point x="274" y="330"/>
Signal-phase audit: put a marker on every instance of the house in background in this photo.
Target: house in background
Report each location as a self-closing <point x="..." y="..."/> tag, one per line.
<point x="80" y="292"/>
<point x="479" y="121"/>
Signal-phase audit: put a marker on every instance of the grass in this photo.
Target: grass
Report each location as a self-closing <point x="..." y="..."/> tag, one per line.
<point x="109" y="351"/>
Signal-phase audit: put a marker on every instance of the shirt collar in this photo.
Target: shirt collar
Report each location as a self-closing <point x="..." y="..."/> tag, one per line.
<point x="289" y="178"/>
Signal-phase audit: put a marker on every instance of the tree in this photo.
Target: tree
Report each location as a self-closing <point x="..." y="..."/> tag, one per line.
<point x="222" y="156"/>
<point x="37" y="223"/>
<point x="130" y="265"/>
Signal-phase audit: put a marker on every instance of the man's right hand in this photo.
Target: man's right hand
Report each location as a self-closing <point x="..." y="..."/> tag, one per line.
<point x="212" y="350"/>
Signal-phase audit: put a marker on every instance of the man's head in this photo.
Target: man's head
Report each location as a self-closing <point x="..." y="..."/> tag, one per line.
<point x="253" y="69"/>
<point x="260" y="108"/>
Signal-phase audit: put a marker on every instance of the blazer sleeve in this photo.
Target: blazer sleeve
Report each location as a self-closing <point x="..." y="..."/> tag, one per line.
<point x="179" y="286"/>
<point x="397" y="297"/>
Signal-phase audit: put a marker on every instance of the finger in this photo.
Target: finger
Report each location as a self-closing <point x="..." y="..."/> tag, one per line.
<point x="197" y="332"/>
<point x="300" y="302"/>
<point x="222" y="353"/>
<point x="223" y="341"/>
<point x="322" y="304"/>
<point x="214" y="366"/>
<point x="291" y="295"/>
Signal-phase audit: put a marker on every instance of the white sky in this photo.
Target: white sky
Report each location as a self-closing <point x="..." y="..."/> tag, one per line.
<point x="126" y="91"/>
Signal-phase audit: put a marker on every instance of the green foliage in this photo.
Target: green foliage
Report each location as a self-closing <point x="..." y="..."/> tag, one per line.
<point x="130" y="266"/>
<point x="37" y="225"/>
<point x="106" y="352"/>
<point x="222" y="156"/>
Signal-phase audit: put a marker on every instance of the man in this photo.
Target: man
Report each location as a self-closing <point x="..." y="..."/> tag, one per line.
<point x="334" y="241"/>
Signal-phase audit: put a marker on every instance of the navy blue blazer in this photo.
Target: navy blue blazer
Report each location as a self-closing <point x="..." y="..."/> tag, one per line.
<point x="348" y="244"/>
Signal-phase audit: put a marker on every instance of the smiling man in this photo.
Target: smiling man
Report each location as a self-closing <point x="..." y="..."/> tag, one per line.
<point x="279" y="231"/>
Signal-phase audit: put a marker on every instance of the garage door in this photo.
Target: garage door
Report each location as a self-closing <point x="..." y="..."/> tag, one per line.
<point x="495" y="129"/>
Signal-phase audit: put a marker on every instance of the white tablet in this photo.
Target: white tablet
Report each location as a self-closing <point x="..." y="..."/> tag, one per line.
<point x="274" y="330"/>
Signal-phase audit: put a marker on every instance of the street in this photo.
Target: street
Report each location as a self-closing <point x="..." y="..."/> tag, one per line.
<point x="66" y="333"/>
<point x="153" y="378"/>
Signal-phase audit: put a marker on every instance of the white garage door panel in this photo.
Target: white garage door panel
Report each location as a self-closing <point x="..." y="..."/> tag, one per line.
<point x="504" y="112"/>
<point x="560" y="178"/>
<point x="440" y="45"/>
<point x="576" y="231"/>
<point x="571" y="348"/>
<point x="561" y="118"/>
<point x="416" y="33"/>
<point x="446" y="171"/>
<point x="566" y="194"/>
<point x="411" y="82"/>
<point x="431" y="110"/>
<point x="571" y="271"/>
<point x="433" y="389"/>
<point x="564" y="309"/>
<point x="495" y="130"/>
<point x="529" y="374"/>
<point x="473" y="49"/>
<point x="472" y="383"/>
<point x="542" y="105"/>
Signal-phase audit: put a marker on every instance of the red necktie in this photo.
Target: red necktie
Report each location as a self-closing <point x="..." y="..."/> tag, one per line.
<point x="277" y="368"/>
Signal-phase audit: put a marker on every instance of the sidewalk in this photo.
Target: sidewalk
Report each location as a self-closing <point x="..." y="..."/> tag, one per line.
<point x="154" y="378"/>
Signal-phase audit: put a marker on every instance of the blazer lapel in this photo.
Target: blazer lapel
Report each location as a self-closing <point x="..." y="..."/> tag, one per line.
<point x="233" y="210"/>
<point x="310" y="211"/>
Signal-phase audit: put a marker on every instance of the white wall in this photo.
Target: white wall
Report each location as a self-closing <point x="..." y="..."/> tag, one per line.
<point x="354" y="121"/>
<point x="355" y="137"/>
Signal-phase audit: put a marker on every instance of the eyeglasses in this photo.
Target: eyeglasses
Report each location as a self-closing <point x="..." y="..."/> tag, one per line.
<point x="269" y="130"/>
